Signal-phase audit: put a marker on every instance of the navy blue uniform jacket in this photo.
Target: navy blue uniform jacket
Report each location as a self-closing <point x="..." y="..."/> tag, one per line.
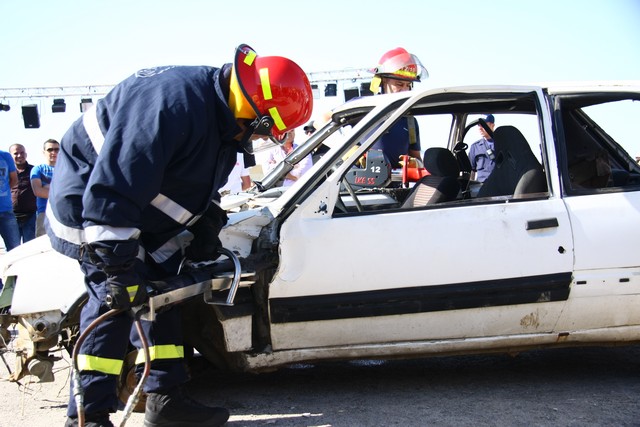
<point x="144" y="163"/>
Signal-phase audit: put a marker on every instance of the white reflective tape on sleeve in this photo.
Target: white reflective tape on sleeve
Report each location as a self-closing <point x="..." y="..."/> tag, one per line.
<point x="69" y="234"/>
<point x="171" y="209"/>
<point x="96" y="233"/>
<point x="92" y="127"/>
<point x="174" y="245"/>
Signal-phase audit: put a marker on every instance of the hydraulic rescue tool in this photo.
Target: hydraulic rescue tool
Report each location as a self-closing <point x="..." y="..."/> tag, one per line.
<point x="187" y="284"/>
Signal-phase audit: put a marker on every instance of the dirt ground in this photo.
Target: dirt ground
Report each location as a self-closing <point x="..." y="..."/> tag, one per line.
<point x="564" y="387"/>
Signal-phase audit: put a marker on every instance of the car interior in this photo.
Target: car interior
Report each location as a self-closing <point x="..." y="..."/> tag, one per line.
<point x="446" y="174"/>
<point x="590" y="159"/>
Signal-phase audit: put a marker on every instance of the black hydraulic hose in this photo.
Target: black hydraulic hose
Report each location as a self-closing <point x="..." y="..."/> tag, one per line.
<point x="135" y="396"/>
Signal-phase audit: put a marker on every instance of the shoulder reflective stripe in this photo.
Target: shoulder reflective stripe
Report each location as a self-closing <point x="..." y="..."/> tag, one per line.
<point x="95" y="233"/>
<point x="277" y="119"/>
<point x="159" y="352"/>
<point x="100" y="364"/>
<point x="171" y="209"/>
<point x="92" y="127"/>
<point x="70" y="234"/>
<point x="250" y="57"/>
<point x="172" y="246"/>
<point x="265" y="83"/>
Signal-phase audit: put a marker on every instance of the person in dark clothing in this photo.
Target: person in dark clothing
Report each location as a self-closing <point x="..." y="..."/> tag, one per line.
<point x="24" y="201"/>
<point x="397" y="71"/>
<point x="133" y="175"/>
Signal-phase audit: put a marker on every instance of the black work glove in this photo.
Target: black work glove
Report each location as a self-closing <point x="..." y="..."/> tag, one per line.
<point x="124" y="292"/>
<point x="206" y="242"/>
<point x="125" y="288"/>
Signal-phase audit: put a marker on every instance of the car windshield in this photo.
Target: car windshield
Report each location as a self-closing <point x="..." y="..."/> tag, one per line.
<point x="314" y="147"/>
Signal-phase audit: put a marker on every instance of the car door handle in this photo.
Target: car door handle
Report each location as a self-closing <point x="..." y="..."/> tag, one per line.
<point x="542" y="223"/>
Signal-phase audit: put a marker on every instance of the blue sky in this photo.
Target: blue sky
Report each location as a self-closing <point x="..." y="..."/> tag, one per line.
<point x="74" y="42"/>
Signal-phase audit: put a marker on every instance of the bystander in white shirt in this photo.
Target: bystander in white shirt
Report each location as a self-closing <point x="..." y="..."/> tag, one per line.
<point x="238" y="180"/>
<point x="278" y="154"/>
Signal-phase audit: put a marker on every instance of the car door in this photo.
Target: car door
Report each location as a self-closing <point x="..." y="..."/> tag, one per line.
<point x="452" y="272"/>
<point x="598" y="139"/>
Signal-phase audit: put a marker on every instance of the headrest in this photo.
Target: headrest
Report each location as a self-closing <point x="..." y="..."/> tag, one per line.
<point x="441" y="162"/>
<point x="510" y="139"/>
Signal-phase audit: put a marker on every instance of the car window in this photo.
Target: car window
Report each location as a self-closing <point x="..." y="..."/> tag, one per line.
<point x="528" y="124"/>
<point x="373" y="183"/>
<point x="435" y="130"/>
<point x="600" y="146"/>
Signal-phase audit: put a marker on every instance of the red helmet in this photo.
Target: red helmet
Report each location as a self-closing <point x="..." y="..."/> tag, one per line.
<point x="277" y="90"/>
<point x="400" y="64"/>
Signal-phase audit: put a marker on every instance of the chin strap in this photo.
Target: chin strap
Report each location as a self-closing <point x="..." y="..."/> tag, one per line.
<point x="245" y="143"/>
<point x="261" y="126"/>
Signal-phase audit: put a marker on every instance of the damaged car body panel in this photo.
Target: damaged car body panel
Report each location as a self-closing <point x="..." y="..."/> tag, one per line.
<point x="354" y="261"/>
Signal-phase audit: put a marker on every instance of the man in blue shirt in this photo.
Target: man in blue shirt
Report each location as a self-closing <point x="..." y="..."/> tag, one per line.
<point x="41" y="176"/>
<point x="8" y="223"/>
<point x="481" y="153"/>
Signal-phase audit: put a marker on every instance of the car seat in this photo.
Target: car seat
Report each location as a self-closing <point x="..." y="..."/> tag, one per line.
<point x="441" y="185"/>
<point x="460" y="151"/>
<point x="516" y="171"/>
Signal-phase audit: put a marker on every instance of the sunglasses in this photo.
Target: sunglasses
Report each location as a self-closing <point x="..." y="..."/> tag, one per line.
<point x="54" y="150"/>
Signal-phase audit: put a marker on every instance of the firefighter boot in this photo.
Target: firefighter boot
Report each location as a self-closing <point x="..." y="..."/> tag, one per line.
<point x="100" y="419"/>
<point x="174" y="408"/>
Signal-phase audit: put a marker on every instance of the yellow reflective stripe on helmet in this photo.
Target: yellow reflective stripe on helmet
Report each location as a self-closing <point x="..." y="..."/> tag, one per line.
<point x="249" y="57"/>
<point x="275" y="115"/>
<point x="159" y="352"/>
<point x="406" y="73"/>
<point x="265" y="83"/>
<point x="100" y="364"/>
<point x="132" y="290"/>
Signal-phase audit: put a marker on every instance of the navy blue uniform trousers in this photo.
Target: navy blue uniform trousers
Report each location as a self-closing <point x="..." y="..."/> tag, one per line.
<point x="107" y="345"/>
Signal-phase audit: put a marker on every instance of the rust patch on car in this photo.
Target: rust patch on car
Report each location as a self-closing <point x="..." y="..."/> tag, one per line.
<point x="531" y="320"/>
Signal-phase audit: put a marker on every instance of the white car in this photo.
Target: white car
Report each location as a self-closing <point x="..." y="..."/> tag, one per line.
<point x="357" y="260"/>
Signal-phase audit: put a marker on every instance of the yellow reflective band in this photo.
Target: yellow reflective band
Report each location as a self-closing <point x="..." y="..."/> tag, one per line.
<point x="159" y="352"/>
<point x="375" y="84"/>
<point x="407" y="73"/>
<point x="100" y="364"/>
<point x="277" y="119"/>
<point x="266" y="84"/>
<point x="250" y="57"/>
<point x="132" y="290"/>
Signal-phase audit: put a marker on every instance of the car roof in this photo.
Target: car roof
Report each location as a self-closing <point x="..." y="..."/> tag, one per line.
<point x="550" y="87"/>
